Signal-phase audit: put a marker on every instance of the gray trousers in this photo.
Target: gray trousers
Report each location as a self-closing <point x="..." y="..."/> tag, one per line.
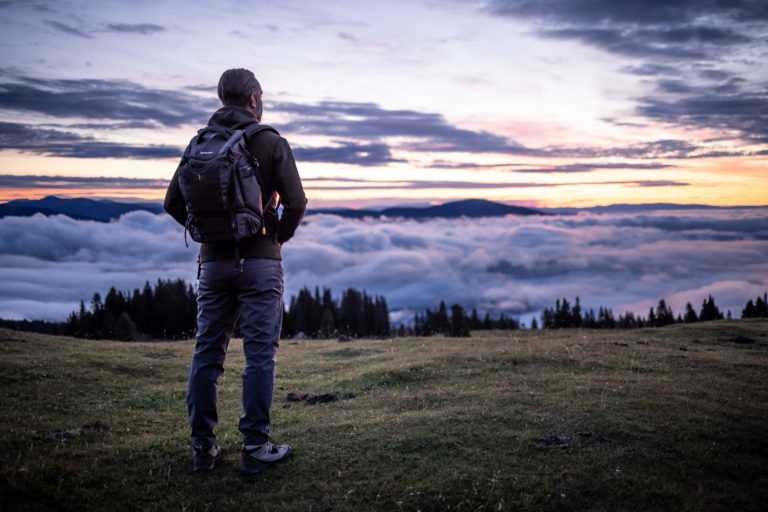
<point x="252" y="289"/>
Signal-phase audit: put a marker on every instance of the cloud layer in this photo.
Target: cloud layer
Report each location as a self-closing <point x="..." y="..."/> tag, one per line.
<point x="362" y="134"/>
<point x="515" y="265"/>
<point x="684" y="44"/>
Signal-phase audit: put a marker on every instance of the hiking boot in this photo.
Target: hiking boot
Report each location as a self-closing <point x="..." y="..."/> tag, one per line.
<point x="259" y="457"/>
<point x="204" y="460"/>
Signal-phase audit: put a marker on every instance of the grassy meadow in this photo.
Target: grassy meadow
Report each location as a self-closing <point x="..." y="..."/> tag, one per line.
<point x="654" y="419"/>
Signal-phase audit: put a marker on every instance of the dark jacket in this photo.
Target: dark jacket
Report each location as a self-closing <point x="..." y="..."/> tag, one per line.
<point x="279" y="177"/>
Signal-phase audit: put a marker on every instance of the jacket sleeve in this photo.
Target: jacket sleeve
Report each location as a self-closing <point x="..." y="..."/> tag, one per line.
<point x="174" y="202"/>
<point x="288" y="185"/>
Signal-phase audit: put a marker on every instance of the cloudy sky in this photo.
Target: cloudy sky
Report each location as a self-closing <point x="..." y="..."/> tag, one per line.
<point x="545" y="103"/>
<point x="540" y="103"/>
<point x="515" y="265"/>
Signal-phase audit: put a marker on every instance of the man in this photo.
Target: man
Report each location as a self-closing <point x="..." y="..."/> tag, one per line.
<point x="244" y="281"/>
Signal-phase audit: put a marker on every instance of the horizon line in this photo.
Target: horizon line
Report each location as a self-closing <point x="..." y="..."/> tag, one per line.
<point x="413" y="204"/>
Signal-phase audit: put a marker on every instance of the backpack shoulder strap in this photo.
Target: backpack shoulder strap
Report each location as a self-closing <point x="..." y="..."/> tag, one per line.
<point x="233" y="139"/>
<point x="253" y="129"/>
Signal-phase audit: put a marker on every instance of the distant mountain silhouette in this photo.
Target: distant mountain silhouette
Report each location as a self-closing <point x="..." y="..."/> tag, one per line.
<point x="452" y="210"/>
<point x="105" y="210"/>
<point x="638" y="208"/>
<point x="78" y="208"/>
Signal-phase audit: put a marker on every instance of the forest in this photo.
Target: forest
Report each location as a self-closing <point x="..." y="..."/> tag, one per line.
<point x="167" y="311"/>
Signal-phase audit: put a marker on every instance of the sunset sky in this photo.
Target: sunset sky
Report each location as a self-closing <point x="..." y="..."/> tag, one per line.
<point x="540" y="103"/>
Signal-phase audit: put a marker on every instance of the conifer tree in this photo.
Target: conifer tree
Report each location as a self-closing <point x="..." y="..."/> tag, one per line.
<point x="690" y="314"/>
<point x="576" y="319"/>
<point x="487" y="323"/>
<point x="652" y="318"/>
<point x="664" y="315"/>
<point x="474" y="321"/>
<point x="459" y="325"/>
<point x="709" y="311"/>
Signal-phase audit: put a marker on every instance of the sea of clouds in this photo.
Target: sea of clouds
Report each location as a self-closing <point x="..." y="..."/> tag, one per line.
<point x="516" y="265"/>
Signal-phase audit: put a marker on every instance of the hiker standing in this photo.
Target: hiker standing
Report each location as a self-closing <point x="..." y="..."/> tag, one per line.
<point x="240" y="274"/>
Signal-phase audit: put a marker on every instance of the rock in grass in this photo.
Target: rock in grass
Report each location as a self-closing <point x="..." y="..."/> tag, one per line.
<point x="326" y="397"/>
<point x="556" y="441"/>
<point x="98" y="426"/>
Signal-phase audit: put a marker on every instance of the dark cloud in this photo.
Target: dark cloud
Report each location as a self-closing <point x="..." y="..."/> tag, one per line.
<point x="669" y="148"/>
<point x="113" y="150"/>
<point x="105" y="105"/>
<point x="427" y="131"/>
<point x="717" y="75"/>
<point x="642" y="12"/>
<point x="445" y="164"/>
<point x="745" y="114"/>
<point x="347" y="153"/>
<point x="359" y="128"/>
<point x="43" y="6"/>
<point x="54" y="182"/>
<point x="120" y="125"/>
<point x="68" y="182"/>
<point x="113" y="100"/>
<point x="636" y="43"/>
<point x="660" y="183"/>
<point x="588" y="167"/>
<point x="59" y="143"/>
<point x="67" y="29"/>
<point x="119" y="104"/>
<point x="140" y="28"/>
<point x="651" y="69"/>
<point x="675" y="38"/>
<point x="731" y="86"/>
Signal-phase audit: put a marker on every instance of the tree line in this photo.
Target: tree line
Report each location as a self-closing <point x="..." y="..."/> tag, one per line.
<point x="169" y="311"/>
<point x="567" y="315"/>
<point x="459" y="324"/>
<point x="166" y="311"/>
<point x="355" y="315"/>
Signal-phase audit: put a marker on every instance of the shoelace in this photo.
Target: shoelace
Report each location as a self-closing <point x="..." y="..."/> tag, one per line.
<point x="272" y="448"/>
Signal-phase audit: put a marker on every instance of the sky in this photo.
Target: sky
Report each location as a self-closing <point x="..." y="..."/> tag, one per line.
<point x="547" y="103"/>
<point x="539" y="103"/>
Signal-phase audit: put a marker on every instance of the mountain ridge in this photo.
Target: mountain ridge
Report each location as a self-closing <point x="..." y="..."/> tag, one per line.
<point x="105" y="210"/>
<point x="102" y="210"/>
<point x="454" y="209"/>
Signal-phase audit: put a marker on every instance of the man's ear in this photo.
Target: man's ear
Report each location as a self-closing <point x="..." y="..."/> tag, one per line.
<point x="252" y="101"/>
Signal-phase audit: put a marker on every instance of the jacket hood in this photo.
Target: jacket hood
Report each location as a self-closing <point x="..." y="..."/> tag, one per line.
<point x="233" y="117"/>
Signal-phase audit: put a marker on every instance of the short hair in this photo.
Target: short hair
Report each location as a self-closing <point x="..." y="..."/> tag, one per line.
<point x="236" y="87"/>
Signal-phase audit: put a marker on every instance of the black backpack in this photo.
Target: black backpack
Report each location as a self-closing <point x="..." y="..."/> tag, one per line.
<point x="221" y="185"/>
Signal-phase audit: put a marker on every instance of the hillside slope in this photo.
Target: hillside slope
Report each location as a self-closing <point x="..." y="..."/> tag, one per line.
<point x="655" y="419"/>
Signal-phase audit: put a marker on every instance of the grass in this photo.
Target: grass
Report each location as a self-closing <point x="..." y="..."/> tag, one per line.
<point x="654" y="419"/>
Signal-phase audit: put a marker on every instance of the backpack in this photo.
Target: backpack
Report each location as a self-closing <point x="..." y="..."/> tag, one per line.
<point x="221" y="185"/>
